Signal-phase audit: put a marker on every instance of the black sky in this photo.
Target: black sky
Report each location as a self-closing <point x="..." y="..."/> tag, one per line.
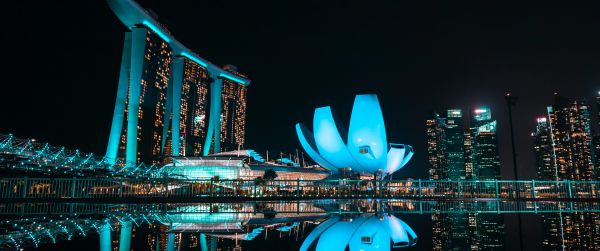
<point x="60" y="63"/>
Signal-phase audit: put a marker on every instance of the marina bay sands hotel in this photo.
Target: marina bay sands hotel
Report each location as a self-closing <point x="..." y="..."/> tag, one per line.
<point x="170" y="101"/>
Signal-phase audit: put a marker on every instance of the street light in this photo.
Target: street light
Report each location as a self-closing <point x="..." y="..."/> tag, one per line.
<point x="510" y="102"/>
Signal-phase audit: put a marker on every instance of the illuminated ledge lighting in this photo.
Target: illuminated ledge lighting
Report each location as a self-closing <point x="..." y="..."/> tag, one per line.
<point x="232" y="78"/>
<point x="195" y="59"/>
<point x="157" y="31"/>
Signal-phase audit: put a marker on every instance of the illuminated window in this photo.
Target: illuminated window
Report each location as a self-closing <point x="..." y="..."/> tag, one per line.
<point x="364" y="149"/>
<point x="366" y="240"/>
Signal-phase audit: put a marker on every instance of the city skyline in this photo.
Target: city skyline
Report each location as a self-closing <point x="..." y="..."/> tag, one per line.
<point x="145" y="124"/>
<point x="284" y="105"/>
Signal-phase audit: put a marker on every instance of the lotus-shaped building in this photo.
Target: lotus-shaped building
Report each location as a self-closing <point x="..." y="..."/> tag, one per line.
<point x="362" y="233"/>
<point x="362" y="148"/>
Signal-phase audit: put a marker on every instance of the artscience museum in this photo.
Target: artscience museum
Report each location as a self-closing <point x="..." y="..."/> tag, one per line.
<point x="363" y="148"/>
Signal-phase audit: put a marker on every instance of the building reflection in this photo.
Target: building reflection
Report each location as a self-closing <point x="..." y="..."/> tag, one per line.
<point x="367" y="224"/>
<point x="360" y="232"/>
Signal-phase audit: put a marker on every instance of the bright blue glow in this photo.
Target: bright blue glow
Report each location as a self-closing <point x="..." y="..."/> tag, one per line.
<point x="176" y="101"/>
<point x="408" y="230"/>
<point x="366" y="150"/>
<point x="105" y="240"/>
<point x="214" y="118"/>
<point x="407" y="156"/>
<point x="167" y="119"/>
<point x="338" y="236"/>
<point x="194" y="58"/>
<point x="330" y="144"/>
<point x="170" y="242"/>
<point x="488" y="127"/>
<point x="198" y="119"/>
<point x="203" y="244"/>
<point x="204" y="172"/>
<point x="309" y="147"/>
<point x="367" y="129"/>
<point x="398" y="233"/>
<point x="316" y="233"/>
<point x="138" y="44"/>
<point x="482" y="114"/>
<point x="157" y="30"/>
<point x="383" y="232"/>
<point x="232" y="78"/>
<point x="394" y="159"/>
<point x="288" y="161"/>
<point x="375" y="229"/>
<point x="125" y="241"/>
<point x="119" y="112"/>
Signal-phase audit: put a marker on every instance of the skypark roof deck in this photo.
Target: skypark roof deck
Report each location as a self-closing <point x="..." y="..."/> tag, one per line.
<point x="133" y="15"/>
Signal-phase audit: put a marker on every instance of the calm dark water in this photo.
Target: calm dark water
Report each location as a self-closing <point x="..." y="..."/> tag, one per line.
<point x="303" y="225"/>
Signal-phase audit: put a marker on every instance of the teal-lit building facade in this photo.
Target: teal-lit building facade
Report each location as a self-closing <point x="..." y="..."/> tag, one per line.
<point x="169" y="99"/>
<point x="238" y="165"/>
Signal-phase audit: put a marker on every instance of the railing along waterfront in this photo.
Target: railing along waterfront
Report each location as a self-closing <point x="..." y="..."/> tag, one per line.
<point x="297" y="207"/>
<point x="74" y="188"/>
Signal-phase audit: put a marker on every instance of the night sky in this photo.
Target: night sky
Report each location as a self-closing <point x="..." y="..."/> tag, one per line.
<point x="60" y="63"/>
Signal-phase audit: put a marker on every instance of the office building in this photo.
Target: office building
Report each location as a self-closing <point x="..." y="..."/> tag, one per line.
<point x="457" y="151"/>
<point x="569" y="120"/>
<point x="563" y="148"/>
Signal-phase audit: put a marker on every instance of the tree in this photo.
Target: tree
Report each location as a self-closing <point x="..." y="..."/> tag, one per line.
<point x="270" y="175"/>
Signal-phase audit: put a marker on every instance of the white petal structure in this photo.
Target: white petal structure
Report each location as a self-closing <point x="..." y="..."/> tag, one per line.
<point x="368" y="232"/>
<point x="363" y="149"/>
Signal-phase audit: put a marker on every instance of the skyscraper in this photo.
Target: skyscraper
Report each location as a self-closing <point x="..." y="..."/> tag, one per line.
<point x="569" y="120"/>
<point x="596" y="154"/>
<point x="455" y="153"/>
<point x="170" y="101"/>
<point x="544" y="152"/>
<point x="233" y="113"/>
<point x="455" y="145"/>
<point x="596" y="141"/>
<point x="193" y="108"/>
<point x="436" y="147"/>
<point x="485" y="160"/>
<point x="562" y="147"/>
<point x="147" y="95"/>
<point x="484" y="143"/>
<point x="468" y="146"/>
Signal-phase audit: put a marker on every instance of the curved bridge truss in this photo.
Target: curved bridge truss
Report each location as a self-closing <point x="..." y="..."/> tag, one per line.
<point x="31" y="155"/>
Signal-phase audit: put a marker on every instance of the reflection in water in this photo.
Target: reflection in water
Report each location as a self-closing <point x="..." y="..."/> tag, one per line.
<point x="474" y="231"/>
<point x="571" y="231"/>
<point x="364" y="232"/>
<point x="304" y="225"/>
